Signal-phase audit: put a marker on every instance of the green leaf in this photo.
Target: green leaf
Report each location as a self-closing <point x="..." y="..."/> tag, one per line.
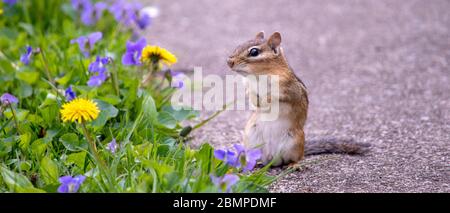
<point x="204" y="156"/>
<point x="50" y="100"/>
<point x="27" y="27"/>
<point x="112" y="99"/>
<point x="149" y="109"/>
<point x="167" y="120"/>
<point x="21" y="114"/>
<point x="182" y="114"/>
<point x="38" y="147"/>
<point x="29" y="77"/>
<point x="15" y="181"/>
<point x="49" y="170"/>
<point x="65" y="79"/>
<point x="25" y="140"/>
<point x="24" y="90"/>
<point x="77" y="158"/>
<point x="107" y="111"/>
<point x="25" y="166"/>
<point x="72" y="143"/>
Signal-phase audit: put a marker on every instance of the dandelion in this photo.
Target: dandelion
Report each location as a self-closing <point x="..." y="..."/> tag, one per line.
<point x="133" y="52"/>
<point x="86" y="43"/>
<point x="112" y="146"/>
<point x="242" y="158"/>
<point x="83" y="110"/>
<point x="156" y="54"/>
<point x="25" y="58"/>
<point x="225" y="183"/>
<point x="70" y="94"/>
<point x="7" y="99"/>
<point x="80" y="110"/>
<point x="70" y="184"/>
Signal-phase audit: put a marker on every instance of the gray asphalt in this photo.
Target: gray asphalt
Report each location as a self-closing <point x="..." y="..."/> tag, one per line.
<point x="376" y="70"/>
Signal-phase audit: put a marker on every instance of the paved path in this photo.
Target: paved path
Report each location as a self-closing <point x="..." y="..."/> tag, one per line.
<point x="377" y="70"/>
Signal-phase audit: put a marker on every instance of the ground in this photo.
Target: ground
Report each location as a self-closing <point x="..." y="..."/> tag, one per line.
<point x="376" y="70"/>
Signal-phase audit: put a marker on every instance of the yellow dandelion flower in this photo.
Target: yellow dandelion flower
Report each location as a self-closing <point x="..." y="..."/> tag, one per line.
<point x="1" y="11"/>
<point x="79" y="110"/>
<point x="156" y="54"/>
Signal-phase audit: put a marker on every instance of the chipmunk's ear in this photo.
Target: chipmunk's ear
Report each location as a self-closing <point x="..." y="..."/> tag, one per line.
<point x="260" y="35"/>
<point x="274" y="41"/>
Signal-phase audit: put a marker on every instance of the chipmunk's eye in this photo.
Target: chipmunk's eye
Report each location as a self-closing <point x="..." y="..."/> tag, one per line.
<point x="254" y="52"/>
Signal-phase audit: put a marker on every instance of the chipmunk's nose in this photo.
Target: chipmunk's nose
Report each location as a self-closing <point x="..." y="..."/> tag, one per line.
<point x="230" y="62"/>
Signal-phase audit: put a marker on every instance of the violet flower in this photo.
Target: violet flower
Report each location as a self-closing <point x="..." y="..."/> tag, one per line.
<point x="99" y="65"/>
<point x="225" y="183"/>
<point x="26" y="57"/>
<point x="143" y="21"/>
<point x="10" y="2"/>
<point x="99" y="7"/>
<point x="87" y="14"/>
<point x="117" y="9"/>
<point x="70" y="94"/>
<point x="112" y="146"/>
<point x="133" y="53"/>
<point x="86" y="43"/>
<point x="178" y="79"/>
<point x="97" y="79"/>
<point x="79" y="4"/>
<point x="7" y="99"/>
<point x="242" y="158"/>
<point x="70" y="184"/>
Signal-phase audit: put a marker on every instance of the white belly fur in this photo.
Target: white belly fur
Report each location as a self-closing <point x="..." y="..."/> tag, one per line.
<point x="273" y="138"/>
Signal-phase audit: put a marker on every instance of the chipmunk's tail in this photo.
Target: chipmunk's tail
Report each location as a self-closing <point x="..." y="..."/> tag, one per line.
<point x="335" y="145"/>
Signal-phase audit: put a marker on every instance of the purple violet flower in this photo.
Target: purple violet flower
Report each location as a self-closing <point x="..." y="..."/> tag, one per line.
<point x="99" y="7"/>
<point x="242" y="158"/>
<point x="133" y="53"/>
<point x="91" y="13"/>
<point x="99" y="65"/>
<point x="225" y="183"/>
<point x="87" y="14"/>
<point x="117" y="9"/>
<point x="97" y="79"/>
<point x="25" y="58"/>
<point x="10" y="2"/>
<point x="70" y="94"/>
<point x="79" y="4"/>
<point x="178" y="79"/>
<point x="112" y="146"/>
<point x="70" y="184"/>
<point x="143" y="21"/>
<point x="7" y="99"/>
<point x="86" y="43"/>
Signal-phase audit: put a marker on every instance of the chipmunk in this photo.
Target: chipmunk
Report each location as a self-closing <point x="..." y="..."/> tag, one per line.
<point x="282" y="140"/>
